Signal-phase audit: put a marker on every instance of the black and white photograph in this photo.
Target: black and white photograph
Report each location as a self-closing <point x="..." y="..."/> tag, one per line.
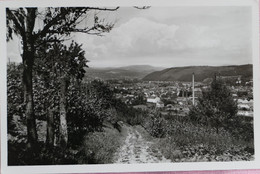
<point x="136" y="84"/>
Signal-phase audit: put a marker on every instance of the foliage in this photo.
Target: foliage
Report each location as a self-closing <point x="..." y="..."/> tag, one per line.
<point x="19" y="154"/>
<point x="54" y="61"/>
<point x="241" y="128"/>
<point x="56" y="21"/>
<point x="139" y="100"/>
<point x="47" y="63"/>
<point x="55" y="24"/>
<point x="99" y="147"/>
<point x="57" y="59"/>
<point x="14" y="95"/>
<point x="216" y="106"/>
<point x="217" y="109"/>
<point x="100" y="92"/>
<point x="156" y="125"/>
<point x="129" y="114"/>
<point x="188" y="142"/>
<point x="88" y="107"/>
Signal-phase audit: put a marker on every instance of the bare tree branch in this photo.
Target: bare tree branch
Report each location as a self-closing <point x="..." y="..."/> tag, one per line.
<point x="103" y="9"/>
<point x="142" y="8"/>
<point x="51" y="23"/>
<point x="65" y="12"/>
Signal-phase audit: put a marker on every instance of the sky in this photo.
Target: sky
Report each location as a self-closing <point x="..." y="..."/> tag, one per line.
<point x="167" y="37"/>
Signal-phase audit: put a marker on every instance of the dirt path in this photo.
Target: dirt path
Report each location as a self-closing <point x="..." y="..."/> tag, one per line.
<point x="137" y="150"/>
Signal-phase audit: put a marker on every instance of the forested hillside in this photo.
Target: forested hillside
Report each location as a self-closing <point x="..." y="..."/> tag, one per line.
<point x="126" y="72"/>
<point x="201" y="72"/>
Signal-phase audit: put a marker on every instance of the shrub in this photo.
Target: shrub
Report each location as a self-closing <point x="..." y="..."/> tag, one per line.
<point x="100" y="147"/>
<point x="14" y="95"/>
<point x="19" y="154"/>
<point x="129" y="114"/>
<point x="89" y="105"/>
<point x="216" y="106"/>
<point x="186" y="141"/>
<point x="241" y="128"/>
<point x="156" y="125"/>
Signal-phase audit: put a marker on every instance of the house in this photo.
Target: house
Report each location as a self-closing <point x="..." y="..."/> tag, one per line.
<point x="243" y="106"/>
<point x="245" y="113"/>
<point x="159" y="104"/>
<point x="143" y="107"/>
<point x="153" y="100"/>
<point x="245" y="103"/>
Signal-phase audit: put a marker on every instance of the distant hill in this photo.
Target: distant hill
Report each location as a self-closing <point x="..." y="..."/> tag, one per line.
<point x="201" y="72"/>
<point x="127" y="72"/>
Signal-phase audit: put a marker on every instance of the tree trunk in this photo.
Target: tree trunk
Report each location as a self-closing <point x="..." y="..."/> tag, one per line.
<point x="50" y="129"/>
<point x="63" y="113"/>
<point x="28" y="99"/>
<point x="28" y="61"/>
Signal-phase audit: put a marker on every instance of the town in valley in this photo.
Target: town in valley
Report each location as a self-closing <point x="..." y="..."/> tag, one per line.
<point x="176" y="97"/>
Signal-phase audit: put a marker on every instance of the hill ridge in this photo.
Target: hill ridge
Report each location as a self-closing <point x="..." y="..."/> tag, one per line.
<point x="201" y="72"/>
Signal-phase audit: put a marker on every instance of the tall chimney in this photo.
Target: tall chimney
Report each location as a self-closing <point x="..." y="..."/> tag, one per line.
<point x="193" y="95"/>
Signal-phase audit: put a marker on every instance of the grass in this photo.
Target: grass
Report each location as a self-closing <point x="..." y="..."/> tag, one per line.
<point x="143" y="132"/>
<point x="100" y="147"/>
<point x="183" y="142"/>
<point x="187" y="142"/>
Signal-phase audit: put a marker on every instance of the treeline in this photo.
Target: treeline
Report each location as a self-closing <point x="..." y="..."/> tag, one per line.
<point x="56" y="81"/>
<point x="75" y="112"/>
<point x="48" y="65"/>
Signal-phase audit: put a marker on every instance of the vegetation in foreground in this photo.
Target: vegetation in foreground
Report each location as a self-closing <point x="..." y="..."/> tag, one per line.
<point x="189" y="142"/>
<point x="92" y="119"/>
<point x="211" y="132"/>
<point x="95" y="133"/>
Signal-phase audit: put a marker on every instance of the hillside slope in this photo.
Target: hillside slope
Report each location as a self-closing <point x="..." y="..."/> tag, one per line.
<point x="127" y="72"/>
<point x="201" y="72"/>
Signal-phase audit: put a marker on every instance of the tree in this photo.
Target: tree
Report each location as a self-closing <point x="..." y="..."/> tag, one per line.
<point x="72" y="63"/>
<point x="57" y="23"/>
<point x="57" y="65"/>
<point x="89" y="105"/>
<point x="14" y="94"/>
<point x="216" y="107"/>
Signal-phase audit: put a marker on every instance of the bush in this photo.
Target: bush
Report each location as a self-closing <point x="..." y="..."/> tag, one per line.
<point x="186" y="141"/>
<point x="89" y="105"/>
<point x="216" y="106"/>
<point x="129" y="114"/>
<point x="156" y="125"/>
<point x="15" y="104"/>
<point x="19" y="154"/>
<point x="241" y="128"/>
<point x="100" y="147"/>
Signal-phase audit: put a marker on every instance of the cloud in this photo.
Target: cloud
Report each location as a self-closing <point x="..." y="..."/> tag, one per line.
<point x="177" y="35"/>
<point x="13" y="50"/>
<point x="143" y="37"/>
<point x="168" y="35"/>
<point x="14" y="57"/>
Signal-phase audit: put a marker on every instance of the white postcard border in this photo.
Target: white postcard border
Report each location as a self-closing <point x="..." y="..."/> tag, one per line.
<point x="130" y="167"/>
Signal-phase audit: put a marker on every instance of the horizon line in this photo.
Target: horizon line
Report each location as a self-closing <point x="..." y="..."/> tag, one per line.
<point x="121" y="66"/>
<point x="179" y="66"/>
